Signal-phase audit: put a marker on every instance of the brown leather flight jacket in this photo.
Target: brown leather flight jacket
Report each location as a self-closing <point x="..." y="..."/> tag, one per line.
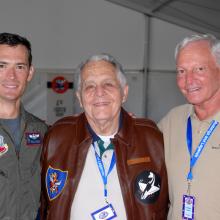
<point x="139" y="161"/>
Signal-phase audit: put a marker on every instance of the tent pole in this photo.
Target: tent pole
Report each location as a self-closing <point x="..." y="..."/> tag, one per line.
<point x="146" y="63"/>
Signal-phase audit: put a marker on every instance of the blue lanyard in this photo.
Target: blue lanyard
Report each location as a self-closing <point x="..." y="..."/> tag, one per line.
<point x="102" y="170"/>
<point x="199" y="149"/>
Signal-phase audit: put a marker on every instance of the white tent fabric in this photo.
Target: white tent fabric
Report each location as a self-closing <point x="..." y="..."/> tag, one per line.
<point x="198" y="15"/>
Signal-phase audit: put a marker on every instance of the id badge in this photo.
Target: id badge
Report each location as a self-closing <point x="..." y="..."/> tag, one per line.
<point x="105" y="213"/>
<point x="188" y="207"/>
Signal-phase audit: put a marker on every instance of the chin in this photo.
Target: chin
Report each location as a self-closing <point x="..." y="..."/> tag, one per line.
<point x="194" y="101"/>
<point x="102" y="117"/>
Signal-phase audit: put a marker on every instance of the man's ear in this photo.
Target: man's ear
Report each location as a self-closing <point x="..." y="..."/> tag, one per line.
<point x="125" y="93"/>
<point x="79" y="98"/>
<point x="30" y="74"/>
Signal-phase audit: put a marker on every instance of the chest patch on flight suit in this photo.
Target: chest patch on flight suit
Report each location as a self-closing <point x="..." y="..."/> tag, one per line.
<point x="55" y="181"/>
<point x="33" y="138"/>
<point x="3" y="146"/>
<point x="147" y="187"/>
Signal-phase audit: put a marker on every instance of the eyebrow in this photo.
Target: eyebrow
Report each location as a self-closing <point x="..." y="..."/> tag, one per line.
<point x="5" y="62"/>
<point x="25" y="64"/>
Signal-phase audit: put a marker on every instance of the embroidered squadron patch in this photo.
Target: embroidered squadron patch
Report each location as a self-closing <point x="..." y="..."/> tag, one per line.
<point x="147" y="186"/>
<point x="55" y="182"/>
<point x="33" y="138"/>
<point x="3" y="146"/>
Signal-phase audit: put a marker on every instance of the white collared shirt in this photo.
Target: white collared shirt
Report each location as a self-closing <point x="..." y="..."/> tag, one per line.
<point x="90" y="192"/>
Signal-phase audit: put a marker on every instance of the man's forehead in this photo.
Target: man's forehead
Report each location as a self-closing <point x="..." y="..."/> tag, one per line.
<point x="100" y="67"/>
<point x="99" y="64"/>
<point x="196" y="46"/>
<point x="13" y="47"/>
<point x="13" y="51"/>
<point x="199" y="51"/>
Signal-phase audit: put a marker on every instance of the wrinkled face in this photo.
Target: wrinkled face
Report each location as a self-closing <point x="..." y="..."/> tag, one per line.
<point x="14" y="72"/>
<point x="198" y="76"/>
<point x="101" y="95"/>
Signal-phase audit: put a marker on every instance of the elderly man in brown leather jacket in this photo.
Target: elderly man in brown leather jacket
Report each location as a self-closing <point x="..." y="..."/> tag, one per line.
<point x="103" y="164"/>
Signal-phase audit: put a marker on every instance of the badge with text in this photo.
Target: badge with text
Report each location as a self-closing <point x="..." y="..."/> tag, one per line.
<point x="147" y="187"/>
<point x="3" y="146"/>
<point x="55" y="182"/>
<point x="188" y="207"/>
<point x="105" y="213"/>
<point x="33" y="138"/>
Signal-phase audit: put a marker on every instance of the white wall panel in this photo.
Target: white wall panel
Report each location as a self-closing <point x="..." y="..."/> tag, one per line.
<point x="63" y="33"/>
<point x="136" y="99"/>
<point x="164" y="37"/>
<point x="163" y="94"/>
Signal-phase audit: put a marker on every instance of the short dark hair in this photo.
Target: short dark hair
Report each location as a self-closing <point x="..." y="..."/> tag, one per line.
<point x="14" y="40"/>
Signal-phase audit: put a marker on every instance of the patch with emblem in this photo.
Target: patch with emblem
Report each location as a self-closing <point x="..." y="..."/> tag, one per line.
<point x="147" y="186"/>
<point x="3" y="146"/>
<point x="55" y="181"/>
<point x="33" y="138"/>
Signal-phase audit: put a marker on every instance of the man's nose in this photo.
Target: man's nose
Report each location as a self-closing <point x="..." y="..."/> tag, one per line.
<point x="100" y="90"/>
<point x="11" y="73"/>
<point x="189" y="76"/>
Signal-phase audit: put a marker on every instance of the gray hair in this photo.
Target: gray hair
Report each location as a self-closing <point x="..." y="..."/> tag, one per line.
<point x="108" y="58"/>
<point x="214" y="44"/>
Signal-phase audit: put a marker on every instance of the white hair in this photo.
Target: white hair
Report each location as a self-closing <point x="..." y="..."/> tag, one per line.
<point x="214" y="44"/>
<point x="108" y="58"/>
